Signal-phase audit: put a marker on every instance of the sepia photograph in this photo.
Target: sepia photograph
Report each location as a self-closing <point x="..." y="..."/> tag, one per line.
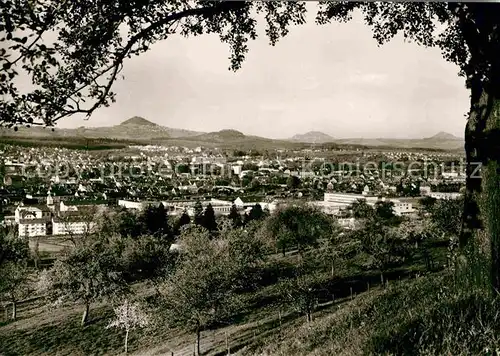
<point x="198" y="177"/>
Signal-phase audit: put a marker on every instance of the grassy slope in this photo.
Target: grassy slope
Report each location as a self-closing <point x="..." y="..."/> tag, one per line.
<point x="412" y="316"/>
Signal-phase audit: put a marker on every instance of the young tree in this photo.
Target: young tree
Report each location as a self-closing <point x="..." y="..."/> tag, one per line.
<point x="87" y="273"/>
<point x="198" y="213"/>
<point x="298" y="225"/>
<point x="15" y="283"/>
<point x="201" y="290"/>
<point x="256" y="213"/>
<point x="383" y="246"/>
<point x="155" y="221"/>
<point x="183" y="220"/>
<point x="235" y="216"/>
<point x="361" y="210"/>
<point x="209" y="222"/>
<point x="129" y="316"/>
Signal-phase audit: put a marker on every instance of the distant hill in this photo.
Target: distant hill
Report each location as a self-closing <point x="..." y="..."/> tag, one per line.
<point x="313" y="137"/>
<point x="141" y="130"/>
<point x="220" y="136"/>
<point x="137" y="120"/>
<point x="444" y="136"/>
<point x="441" y="140"/>
<point x="135" y="128"/>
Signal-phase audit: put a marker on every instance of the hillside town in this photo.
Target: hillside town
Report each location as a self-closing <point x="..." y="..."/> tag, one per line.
<point x="50" y="191"/>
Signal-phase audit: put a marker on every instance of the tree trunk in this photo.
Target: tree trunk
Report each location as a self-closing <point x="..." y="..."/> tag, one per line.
<point x="382" y="278"/>
<point x="332" y="271"/>
<point x="14" y="310"/>
<point x="37" y="253"/>
<point x="308" y="316"/>
<point x="198" y="332"/>
<point x="126" y="341"/>
<point x="85" y="315"/>
<point x="480" y="220"/>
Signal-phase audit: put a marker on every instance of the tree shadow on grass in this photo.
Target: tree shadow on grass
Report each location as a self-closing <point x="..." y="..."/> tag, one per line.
<point x="65" y="336"/>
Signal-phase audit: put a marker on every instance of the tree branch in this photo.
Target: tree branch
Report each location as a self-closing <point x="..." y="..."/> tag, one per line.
<point x="201" y="11"/>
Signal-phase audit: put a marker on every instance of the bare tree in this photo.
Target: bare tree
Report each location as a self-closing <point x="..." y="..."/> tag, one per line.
<point x="129" y="316"/>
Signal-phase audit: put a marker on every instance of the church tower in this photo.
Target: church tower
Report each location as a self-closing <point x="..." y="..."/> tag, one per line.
<point x="50" y="200"/>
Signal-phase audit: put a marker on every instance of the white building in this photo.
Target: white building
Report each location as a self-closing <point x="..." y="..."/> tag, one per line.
<point x="402" y="208"/>
<point x="32" y="220"/>
<point x="335" y="202"/>
<point x="445" y="195"/>
<point x="449" y="175"/>
<point x="71" y="225"/>
<point x="32" y="227"/>
<point x="128" y="204"/>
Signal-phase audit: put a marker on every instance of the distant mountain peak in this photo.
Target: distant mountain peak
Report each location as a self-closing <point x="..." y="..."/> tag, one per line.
<point x="139" y="121"/>
<point x="313" y="137"/>
<point x="231" y="132"/>
<point x="444" y="136"/>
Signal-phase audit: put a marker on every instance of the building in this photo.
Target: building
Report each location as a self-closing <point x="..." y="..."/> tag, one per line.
<point x="128" y="204"/>
<point x="402" y="208"/>
<point x="32" y="220"/>
<point x="52" y="219"/>
<point x="33" y="227"/>
<point x="71" y="224"/>
<point x="335" y="202"/>
<point x="445" y="195"/>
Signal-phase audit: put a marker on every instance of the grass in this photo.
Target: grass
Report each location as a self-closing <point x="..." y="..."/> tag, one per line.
<point x="428" y="315"/>
<point x="424" y="316"/>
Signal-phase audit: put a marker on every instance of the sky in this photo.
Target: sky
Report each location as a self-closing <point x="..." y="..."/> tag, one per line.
<point x="332" y="78"/>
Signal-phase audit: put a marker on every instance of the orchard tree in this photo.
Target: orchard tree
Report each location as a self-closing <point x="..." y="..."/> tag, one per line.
<point x="361" y="210"/>
<point x="382" y="245"/>
<point x="15" y="283"/>
<point x="298" y="226"/>
<point x="129" y="316"/>
<point x="201" y="290"/>
<point x="88" y="273"/>
<point x="300" y="291"/>
<point x="446" y="215"/>
<point x="143" y="258"/>
<point x="12" y="249"/>
<point x="333" y="246"/>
